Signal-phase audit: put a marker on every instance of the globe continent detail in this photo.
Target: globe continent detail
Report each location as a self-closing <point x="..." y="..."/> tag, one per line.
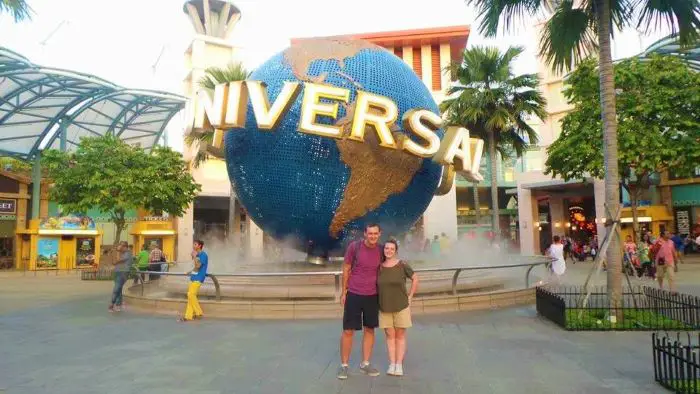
<point x="318" y="192"/>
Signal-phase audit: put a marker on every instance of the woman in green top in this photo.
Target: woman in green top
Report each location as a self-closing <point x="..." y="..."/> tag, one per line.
<point x="394" y="304"/>
<point x="643" y="253"/>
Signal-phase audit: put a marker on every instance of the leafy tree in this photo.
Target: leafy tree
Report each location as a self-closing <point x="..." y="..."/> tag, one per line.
<point x="493" y="105"/>
<point x="107" y="174"/>
<point x="15" y="165"/>
<point x="658" y="114"/>
<point x="577" y="29"/>
<point x="19" y="9"/>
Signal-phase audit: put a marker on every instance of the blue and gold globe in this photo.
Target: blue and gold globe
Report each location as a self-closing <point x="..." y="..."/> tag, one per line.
<point x="319" y="192"/>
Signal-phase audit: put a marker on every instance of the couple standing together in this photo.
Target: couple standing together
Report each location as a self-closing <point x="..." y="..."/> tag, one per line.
<point x="374" y="295"/>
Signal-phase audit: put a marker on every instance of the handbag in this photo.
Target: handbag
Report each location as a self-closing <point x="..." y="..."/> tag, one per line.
<point x="661" y="261"/>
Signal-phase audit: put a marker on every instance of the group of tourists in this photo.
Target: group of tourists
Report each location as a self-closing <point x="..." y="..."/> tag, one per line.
<point x="438" y="245"/>
<point x="654" y="258"/>
<point x="651" y="257"/>
<point x="580" y="250"/>
<point x="150" y="259"/>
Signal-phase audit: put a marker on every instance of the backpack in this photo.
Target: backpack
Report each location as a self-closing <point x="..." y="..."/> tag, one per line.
<point x="653" y="250"/>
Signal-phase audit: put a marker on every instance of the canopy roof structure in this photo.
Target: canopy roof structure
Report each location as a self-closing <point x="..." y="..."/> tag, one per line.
<point x="49" y="108"/>
<point x="670" y="45"/>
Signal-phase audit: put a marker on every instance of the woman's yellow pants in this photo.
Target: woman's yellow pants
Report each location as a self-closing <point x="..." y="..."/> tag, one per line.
<point x="193" y="308"/>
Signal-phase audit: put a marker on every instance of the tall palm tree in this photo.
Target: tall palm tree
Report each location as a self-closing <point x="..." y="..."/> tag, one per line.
<point x="477" y="204"/>
<point x="204" y="138"/>
<point x="582" y="27"/>
<point x="493" y="105"/>
<point x="19" y="9"/>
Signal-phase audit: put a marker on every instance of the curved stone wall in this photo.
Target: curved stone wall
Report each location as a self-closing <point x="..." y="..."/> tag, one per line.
<point x="322" y="309"/>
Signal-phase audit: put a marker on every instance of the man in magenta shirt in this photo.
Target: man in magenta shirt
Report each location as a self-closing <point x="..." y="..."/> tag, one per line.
<point x="665" y="261"/>
<point x="359" y="298"/>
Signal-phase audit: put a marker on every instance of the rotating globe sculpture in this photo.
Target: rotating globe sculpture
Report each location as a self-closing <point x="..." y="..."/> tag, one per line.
<point x="319" y="192"/>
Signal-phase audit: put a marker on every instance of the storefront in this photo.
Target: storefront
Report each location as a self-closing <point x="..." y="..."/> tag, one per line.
<point x="686" y="208"/>
<point x="58" y="243"/>
<point x="158" y="231"/>
<point x="654" y="218"/>
<point x="682" y="197"/>
<point x="14" y="213"/>
<point x="686" y="212"/>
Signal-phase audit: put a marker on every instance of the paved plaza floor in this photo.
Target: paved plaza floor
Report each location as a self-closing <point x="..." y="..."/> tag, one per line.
<point x="57" y="337"/>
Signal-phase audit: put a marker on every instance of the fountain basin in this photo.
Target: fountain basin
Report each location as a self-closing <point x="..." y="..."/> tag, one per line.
<point x="302" y="292"/>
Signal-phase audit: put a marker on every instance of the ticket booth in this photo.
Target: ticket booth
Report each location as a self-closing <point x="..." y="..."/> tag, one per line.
<point x="156" y="230"/>
<point x="58" y="243"/>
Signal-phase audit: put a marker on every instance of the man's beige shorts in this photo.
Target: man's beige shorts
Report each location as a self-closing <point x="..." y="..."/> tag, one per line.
<point x="400" y="319"/>
<point x="663" y="271"/>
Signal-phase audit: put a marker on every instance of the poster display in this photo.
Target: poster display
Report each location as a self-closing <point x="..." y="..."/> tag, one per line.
<point x="47" y="252"/>
<point x="85" y="253"/>
<point x="683" y="221"/>
<point x="67" y="223"/>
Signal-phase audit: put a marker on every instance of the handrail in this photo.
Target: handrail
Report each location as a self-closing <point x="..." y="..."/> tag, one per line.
<point x="338" y="275"/>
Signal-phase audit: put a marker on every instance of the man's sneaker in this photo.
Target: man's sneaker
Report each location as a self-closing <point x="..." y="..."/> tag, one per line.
<point x="399" y="370"/>
<point x="342" y="372"/>
<point x="111" y="308"/>
<point x="369" y="370"/>
<point x="391" y="370"/>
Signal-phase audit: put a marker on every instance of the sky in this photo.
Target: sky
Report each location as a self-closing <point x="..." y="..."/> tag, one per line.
<point x="140" y="43"/>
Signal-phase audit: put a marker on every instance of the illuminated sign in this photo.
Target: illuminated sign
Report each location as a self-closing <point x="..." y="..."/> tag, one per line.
<point x="8" y="206"/>
<point x="226" y="107"/>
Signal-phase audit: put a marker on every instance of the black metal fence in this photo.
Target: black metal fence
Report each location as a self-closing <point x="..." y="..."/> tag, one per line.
<point x="676" y="364"/>
<point x="641" y="308"/>
<point x="102" y="273"/>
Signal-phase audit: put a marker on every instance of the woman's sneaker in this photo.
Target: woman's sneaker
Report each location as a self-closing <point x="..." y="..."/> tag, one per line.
<point x="399" y="370"/>
<point x="391" y="370"/>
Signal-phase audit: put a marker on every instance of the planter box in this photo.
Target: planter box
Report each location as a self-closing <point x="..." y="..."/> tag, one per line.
<point x="642" y="309"/>
<point x="676" y="364"/>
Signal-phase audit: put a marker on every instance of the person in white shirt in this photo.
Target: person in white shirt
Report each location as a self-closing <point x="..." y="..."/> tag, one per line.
<point x="556" y="251"/>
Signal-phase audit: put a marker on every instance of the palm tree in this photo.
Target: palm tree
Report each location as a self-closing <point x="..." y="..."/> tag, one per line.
<point x="204" y="138"/>
<point x="19" y="9"/>
<point x="477" y="204"/>
<point x="577" y="29"/>
<point x="493" y="104"/>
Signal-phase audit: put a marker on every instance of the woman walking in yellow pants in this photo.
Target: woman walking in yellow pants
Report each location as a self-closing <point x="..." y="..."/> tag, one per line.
<point x="197" y="276"/>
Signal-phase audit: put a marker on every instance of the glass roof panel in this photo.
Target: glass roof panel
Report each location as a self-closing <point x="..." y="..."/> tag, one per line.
<point x="670" y="46"/>
<point x="35" y="101"/>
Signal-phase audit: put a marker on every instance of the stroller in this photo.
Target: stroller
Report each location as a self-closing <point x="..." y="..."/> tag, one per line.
<point x="632" y="264"/>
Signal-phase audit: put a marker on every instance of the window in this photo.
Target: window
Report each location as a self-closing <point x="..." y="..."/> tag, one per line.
<point x="534" y="160"/>
<point x="672" y="176"/>
<point x="417" y="62"/>
<point x="435" y="67"/>
<point x="509" y="173"/>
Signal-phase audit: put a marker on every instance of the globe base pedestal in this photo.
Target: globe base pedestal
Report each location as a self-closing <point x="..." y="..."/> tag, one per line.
<point x="317" y="260"/>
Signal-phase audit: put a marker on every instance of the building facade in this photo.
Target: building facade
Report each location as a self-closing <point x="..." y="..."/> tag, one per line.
<point x="549" y="206"/>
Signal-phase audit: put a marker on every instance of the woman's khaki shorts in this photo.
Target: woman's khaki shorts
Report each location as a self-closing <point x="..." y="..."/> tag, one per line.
<point x="400" y="319"/>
